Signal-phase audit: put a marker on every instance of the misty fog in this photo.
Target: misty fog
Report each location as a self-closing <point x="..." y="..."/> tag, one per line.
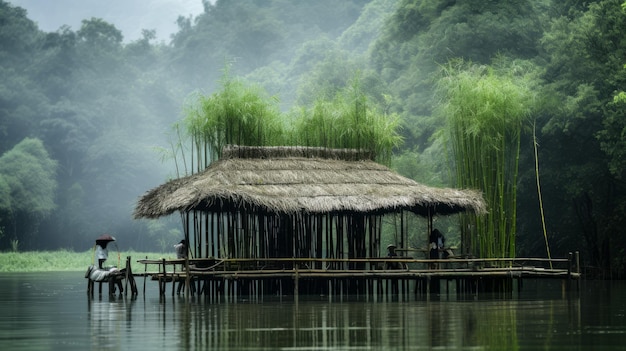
<point x="90" y="92"/>
<point x="129" y="16"/>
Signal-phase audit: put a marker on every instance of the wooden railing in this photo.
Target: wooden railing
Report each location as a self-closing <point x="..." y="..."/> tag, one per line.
<point x="570" y="264"/>
<point x="183" y="272"/>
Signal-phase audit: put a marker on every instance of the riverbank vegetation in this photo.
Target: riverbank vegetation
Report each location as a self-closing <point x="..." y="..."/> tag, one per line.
<point x="66" y="260"/>
<point x="82" y="111"/>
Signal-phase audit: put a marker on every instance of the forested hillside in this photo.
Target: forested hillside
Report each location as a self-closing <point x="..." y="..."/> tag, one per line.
<point x="83" y="114"/>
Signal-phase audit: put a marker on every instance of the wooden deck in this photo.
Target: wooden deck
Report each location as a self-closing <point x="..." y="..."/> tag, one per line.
<point x="125" y="275"/>
<point x="245" y="277"/>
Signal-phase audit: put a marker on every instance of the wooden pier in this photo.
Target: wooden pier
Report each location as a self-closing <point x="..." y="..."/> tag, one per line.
<point x="253" y="278"/>
<point x="112" y="280"/>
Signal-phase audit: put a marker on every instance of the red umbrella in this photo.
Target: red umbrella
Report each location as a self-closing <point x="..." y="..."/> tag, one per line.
<point x="105" y="239"/>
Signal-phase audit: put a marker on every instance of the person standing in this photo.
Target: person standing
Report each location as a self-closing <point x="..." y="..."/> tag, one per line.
<point x="181" y="253"/>
<point x="102" y="253"/>
<point x="113" y="275"/>
<point x="181" y="249"/>
<point x="436" y="244"/>
<point x="391" y="252"/>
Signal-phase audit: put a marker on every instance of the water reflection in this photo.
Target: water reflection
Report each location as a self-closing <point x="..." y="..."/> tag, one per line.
<point x="319" y="325"/>
<point x="107" y="319"/>
<point x="49" y="313"/>
<point x="323" y="325"/>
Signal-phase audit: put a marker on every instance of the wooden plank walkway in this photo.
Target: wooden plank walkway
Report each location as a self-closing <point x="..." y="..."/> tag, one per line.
<point x="328" y="275"/>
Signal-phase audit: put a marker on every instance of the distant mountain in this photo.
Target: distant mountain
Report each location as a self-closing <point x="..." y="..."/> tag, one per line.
<point x="129" y="16"/>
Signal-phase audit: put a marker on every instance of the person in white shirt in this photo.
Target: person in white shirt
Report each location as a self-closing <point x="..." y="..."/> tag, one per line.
<point x="102" y="253"/>
<point x="181" y="249"/>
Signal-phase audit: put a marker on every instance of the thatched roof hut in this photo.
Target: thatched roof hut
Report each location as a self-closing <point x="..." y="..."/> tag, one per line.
<point x="291" y="180"/>
<point x="324" y="207"/>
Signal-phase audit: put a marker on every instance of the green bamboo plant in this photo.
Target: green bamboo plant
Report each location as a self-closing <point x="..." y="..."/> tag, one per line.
<point x="239" y="113"/>
<point x="347" y="121"/>
<point x="244" y="114"/>
<point x="485" y="111"/>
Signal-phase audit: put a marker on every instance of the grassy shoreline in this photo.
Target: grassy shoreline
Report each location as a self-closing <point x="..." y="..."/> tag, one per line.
<point x="67" y="261"/>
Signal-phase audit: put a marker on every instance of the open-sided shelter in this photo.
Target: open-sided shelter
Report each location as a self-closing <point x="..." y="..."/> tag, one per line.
<point x="267" y="202"/>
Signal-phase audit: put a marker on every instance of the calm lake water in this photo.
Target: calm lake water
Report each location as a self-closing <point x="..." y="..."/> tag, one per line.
<point x="51" y="311"/>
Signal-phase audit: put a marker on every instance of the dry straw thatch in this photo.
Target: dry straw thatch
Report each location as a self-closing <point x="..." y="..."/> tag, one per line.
<point x="294" y="180"/>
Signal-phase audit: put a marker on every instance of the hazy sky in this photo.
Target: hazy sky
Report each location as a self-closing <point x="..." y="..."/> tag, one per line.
<point x="129" y="16"/>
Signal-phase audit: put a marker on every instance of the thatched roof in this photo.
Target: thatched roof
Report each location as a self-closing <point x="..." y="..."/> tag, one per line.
<point x="299" y="179"/>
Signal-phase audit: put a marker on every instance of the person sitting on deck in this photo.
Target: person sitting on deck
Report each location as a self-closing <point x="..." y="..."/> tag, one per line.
<point x="391" y="252"/>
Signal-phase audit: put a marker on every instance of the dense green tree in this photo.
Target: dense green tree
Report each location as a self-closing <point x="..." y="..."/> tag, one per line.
<point x="580" y="136"/>
<point x="5" y="208"/>
<point x="30" y="176"/>
<point x="328" y="75"/>
<point x="613" y="138"/>
<point x="360" y="36"/>
<point x="423" y="167"/>
<point x="21" y="103"/>
<point x="55" y="64"/>
<point x="254" y="33"/>
<point x="423" y="34"/>
<point x="19" y="36"/>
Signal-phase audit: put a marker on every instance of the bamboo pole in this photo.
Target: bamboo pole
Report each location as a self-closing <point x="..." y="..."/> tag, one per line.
<point x="543" y="219"/>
